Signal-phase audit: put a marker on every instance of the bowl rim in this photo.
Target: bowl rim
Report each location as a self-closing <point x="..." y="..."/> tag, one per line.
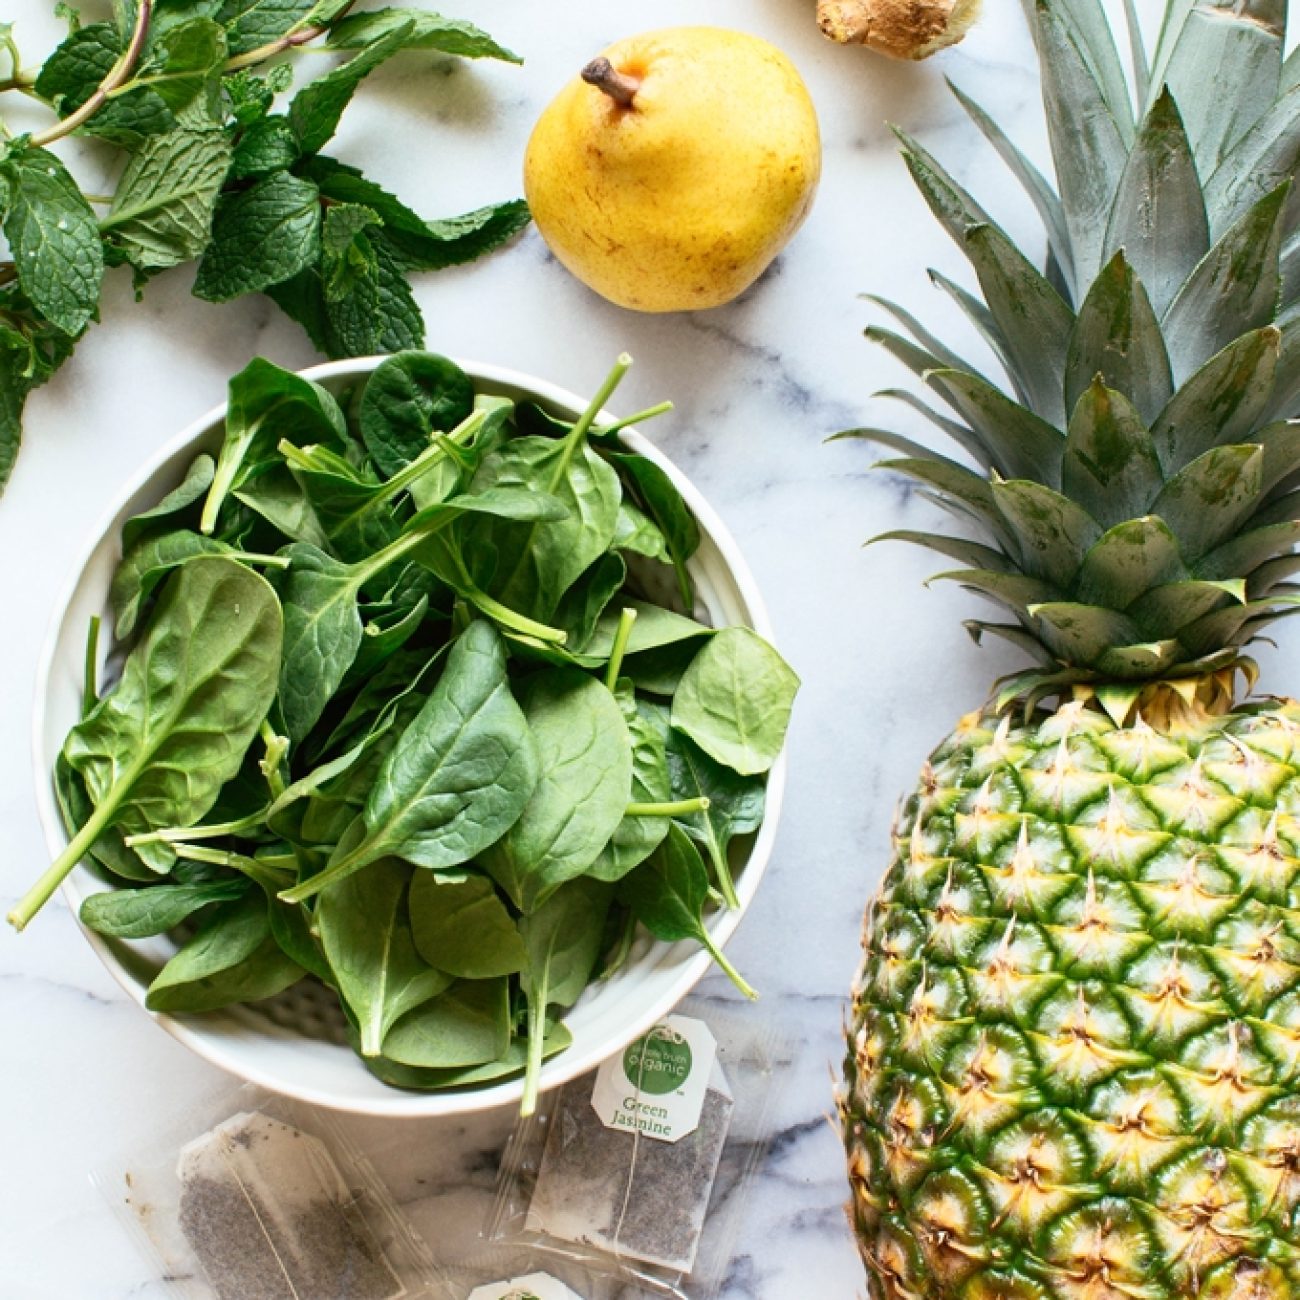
<point x="402" y="1103"/>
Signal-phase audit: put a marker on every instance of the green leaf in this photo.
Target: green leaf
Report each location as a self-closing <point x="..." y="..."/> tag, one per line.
<point x="1158" y="220"/>
<point x="260" y="237"/>
<point x="1111" y="468"/>
<point x="1247" y="551"/>
<point x="585" y="785"/>
<point x="406" y="400"/>
<point x="1225" y="72"/>
<point x="1015" y="592"/>
<point x="1223" y="402"/>
<point x="365" y="932"/>
<point x="1091" y="29"/>
<point x="427" y="31"/>
<point x="1031" y="317"/>
<point x="453" y="241"/>
<point x="734" y="701"/>
<point x="346" y="254"/>
<point x="1054" y="532"/>
<point x="232" y="958"/>
<point x="139" y="913"/>
<point x="1234" y="288"/>
<point x="162" y="209"/>
<point x="1128" y="559"/>
<point x="316" y="109"/>
<point x="462" y="926"/>
<point x="250" y="24"/>
<point x="1164" y="610"/>
<point x="468" y="1025"/>
<point x="1206" y="502"/>
<point x="1081" y="634"/>
<point x="144" y="566"/>
<point x="265" y="146"/>
<point x="1117" y="339"/>
<point x="958" y="490"/>
<point x="1263" y="159"/>
<point x="182" y="61"/>
<point x="54" y="239"/>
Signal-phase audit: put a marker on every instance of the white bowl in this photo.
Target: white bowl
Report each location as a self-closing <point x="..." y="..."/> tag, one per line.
<point x="285" y="1047"/>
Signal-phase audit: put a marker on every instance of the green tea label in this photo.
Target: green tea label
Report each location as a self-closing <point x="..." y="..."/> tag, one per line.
<point x="656" y="1087"/>
<point x="536" y="1286"/>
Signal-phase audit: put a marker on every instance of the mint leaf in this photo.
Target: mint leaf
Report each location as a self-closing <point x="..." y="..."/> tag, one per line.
<point x="260" y="237"/>
<point x="267" y="145"/>
<point x="462" y="239"/>
<point x="429" y="31"/>
<point x="181" y="62"/>
<point x="73" y="73"/>
<point x="315" y="111"/>
<point x="347" y="256"/>
<point x="162" y="211"/>
<point x="54" y="238"/>
<point x="252" y="23"/>
<point x="345" y="184"/>
<point x="248" y="95"/>
<point x="31" y="350"/>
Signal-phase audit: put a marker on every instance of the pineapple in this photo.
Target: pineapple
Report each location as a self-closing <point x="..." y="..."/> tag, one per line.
<point x="1073" y="1067"/>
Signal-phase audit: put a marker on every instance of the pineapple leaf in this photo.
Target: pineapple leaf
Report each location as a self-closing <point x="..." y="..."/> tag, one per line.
<point x="1222" y="401"/>
<point x="955" y="548"/>
<point x="1081" y="634"/>
<point x="1095" y="39"/>
<point x="1264" y="158"/>
<point x="1208" y="500"/>
<point x="1267" y="579"/>
<point x="1117" y="337"/>
<point x="1171" y="28"/>
<point x="1013" y="633"/>
<point x="1158" y="219"/>
<point x="1281" y="444"/>
<point x="1285" y="400"/>
<point x="1054" y="532"/>
<point x="1087" y="144"/>
<point x="957" y="490"/>
<point x="959" y="433"/>
<point x="1174" y="605"/>
<point x="1234" y="288"/>
<point x="1033" y="181"/>
<point x="1138" y="662"/>
<point x="1248" y="551"/>
<point x="1127" y="560"/>
<point x="940" y="353"/>
<point x="1020" y="444"/>
<point x="1032" y="318"/>
<point x="1235" y="625"/>
<point x="896" y="442"/>
<point x="1225" y="72"/>
<point x="1291" y="71"/>
<point x="1013" y="591"/>
<point x="1289" y="268"/>
<point x="1138" y="52"/>
<point x="980" y="316"/>
<point x="1281" y="510"/>
<point x="1110" y="466"/>
<point x="954" y="208"/>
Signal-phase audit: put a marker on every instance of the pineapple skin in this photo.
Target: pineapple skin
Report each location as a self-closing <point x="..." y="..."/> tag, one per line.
<point x="1074" y="1051"/>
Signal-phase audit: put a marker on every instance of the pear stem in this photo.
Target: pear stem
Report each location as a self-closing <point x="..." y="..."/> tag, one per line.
<point x="602" y="74"/>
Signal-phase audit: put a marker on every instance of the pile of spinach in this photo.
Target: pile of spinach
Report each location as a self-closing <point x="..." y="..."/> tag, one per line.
<point x="184" y="91"/>
<point x="401" y="712"/>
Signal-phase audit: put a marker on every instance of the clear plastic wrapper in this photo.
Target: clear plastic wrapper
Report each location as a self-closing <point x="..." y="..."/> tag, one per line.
<point x="257" y="1197"/>
<point x="640" y="1172"/>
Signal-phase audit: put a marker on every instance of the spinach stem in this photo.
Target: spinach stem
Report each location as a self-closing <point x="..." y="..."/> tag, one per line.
<point x="578" y="433"/>
<point x="622" y="634"/>
<point x="648" y="414"/>
<point x="266" y="561"/>
<point x="276" y="748"/>
<point x="210" y="831"/>
<point x="725" y="882"/>
<point x="117" y="75"/>
<point x="90" y="678"/>
<point x="40" y="893"/>
<point x="731" y="972"/>
<point x="680" y="808"/>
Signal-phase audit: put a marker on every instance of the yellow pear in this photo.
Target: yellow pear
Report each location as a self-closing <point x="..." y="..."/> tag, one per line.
<point x="670" y="173"/>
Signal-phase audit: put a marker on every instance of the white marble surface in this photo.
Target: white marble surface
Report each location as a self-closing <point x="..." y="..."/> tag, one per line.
<point x="758" y="385"/>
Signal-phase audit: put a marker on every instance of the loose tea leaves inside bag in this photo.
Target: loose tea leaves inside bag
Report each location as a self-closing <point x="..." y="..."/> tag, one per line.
<point x="536" y="1286"/>
<point x="268" y="1216"/>
<point x="624" y="1192"/>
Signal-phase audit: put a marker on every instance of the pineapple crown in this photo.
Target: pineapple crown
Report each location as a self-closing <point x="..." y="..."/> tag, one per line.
<point x="1138" y="478"/>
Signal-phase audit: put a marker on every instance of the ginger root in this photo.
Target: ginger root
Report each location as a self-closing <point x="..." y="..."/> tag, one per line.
<point x="903" y="29"/>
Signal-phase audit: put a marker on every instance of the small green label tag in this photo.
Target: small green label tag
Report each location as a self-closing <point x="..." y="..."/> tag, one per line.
<point x="658" y="1063"/>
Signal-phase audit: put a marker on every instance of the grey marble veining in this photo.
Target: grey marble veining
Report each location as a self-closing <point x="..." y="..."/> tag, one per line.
<point x="758" y="385"/>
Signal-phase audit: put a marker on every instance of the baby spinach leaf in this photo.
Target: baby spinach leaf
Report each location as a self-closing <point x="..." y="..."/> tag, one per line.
<point x="366" y="935"/>
<point x="635" y="838"/>
<point x="563" y="938"/>
<point x="138" y="913"/>
<point x="584" y="602"/>
<point x="735" y="699"/>
<point x="146" y="564"/>
<point x="232" y="958"/>
<point x="260" y="237"/>
<point x="383" y="638"/>
<point x="174" y="508"/>
<point x="736" y="804"/>
<point x="636" y="532"/>
<point x="585" y="786"/>
<point x="461" y="926"/>
<point x="457" y="777"/>
<point x="467" y="1025"/>
<point x="668" y="892"/>
<point x="108" y="855"/>
<point x="515" y="1059"/>
<point x="408" y="398"/>
<point x="267" y="405"/>
<point x="427" y="31"/>
<point x="278" y="497"/>
<point x="654" y="628"/>
<point x="163" y="205"/>
<point x="158" y="749"/>
<point x="54" y="238"/>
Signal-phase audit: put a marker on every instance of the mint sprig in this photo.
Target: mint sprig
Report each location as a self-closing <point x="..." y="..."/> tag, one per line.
<point x="212" y="175"/>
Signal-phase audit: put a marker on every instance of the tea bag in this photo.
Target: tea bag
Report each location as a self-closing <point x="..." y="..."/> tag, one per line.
<point x="536" y="1286"/>
<point x="266" y="1212"/>
<point x="624" y="1192"/>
